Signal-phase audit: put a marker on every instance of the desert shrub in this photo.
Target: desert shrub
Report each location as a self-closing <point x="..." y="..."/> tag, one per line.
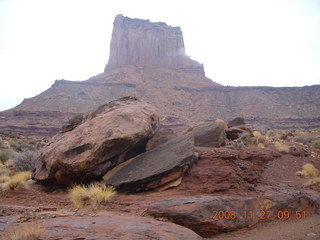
<point x="4" y="156"/>
<point x="283" y="148"/>
<point x="94" y="194"/>
<point x="238" y="144"/>
<point x="256" y="133"/>
<point x="274" y="134"/>
<point x="18" y="181"/>
<point x="25" y="232"/>
<point x="304" y="139"/>
<point x="244" y="140"/>
<point x="4" y="171"/>
<point x="22" y="145"/>
<point x="308" y="170"/>
<point x="25" y="161"/>
<point x="316" y="143"/>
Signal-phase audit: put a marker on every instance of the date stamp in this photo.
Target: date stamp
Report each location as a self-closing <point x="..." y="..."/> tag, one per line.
<point x="262" y="215"/>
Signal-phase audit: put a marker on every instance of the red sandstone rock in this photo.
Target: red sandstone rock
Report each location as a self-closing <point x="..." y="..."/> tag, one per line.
<point x="93" y="143"/>
<point x="142" y="43"/>
<point x="114" y="225"/>
<point x="223" y="169"/>
<point x="209" y="215"/>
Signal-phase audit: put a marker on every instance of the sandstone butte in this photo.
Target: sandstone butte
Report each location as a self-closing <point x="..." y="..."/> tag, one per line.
<point x="148" y="60"/>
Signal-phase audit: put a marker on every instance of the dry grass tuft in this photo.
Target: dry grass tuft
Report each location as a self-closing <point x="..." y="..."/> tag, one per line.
<point x="25" y="232"/>
<point x="308" y="170"/>
<point x="78" y="195"/>
<point x="98" y="194"/>
<point x="94" y="194"/>
<point x="4" y="178"/>
<point x="18" y="181"/>
<point x="283" y="148"/>
<point x="312" y="181"/>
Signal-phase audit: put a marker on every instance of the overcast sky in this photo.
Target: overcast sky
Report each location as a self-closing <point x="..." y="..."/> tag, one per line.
<point x="240" y="42"/>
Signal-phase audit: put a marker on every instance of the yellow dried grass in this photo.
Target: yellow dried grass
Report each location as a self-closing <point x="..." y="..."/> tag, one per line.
<point x="94" y="194"/>
<point x="308" y="170"/>
<point x="25" y="232"/>
<point x="18" y="181"/>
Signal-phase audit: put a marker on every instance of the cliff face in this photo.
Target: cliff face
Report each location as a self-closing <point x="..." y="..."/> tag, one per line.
<point x="142" y="43"/>
<point x="148" y="61"/>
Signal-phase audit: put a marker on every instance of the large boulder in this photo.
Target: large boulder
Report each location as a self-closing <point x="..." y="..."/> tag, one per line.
<point x="93" y="143"/>
<point x="155" y="168"/>
<point x="209" y="215"/>
<point x="209" y="135"/>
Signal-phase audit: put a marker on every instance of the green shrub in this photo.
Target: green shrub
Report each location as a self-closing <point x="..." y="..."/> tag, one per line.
<point x="4" y="156"/>
<point x="316" y="143"/>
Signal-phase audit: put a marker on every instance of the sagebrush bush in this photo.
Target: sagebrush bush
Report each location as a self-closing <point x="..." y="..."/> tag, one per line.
<point x="316" y="143"/>
<point x="18" y="181"/>
<point x="4" y="171"/>
<point x="94" y="194"/>
<point x="304" y="139"/>
<point x="25" y="232"/>
<point x="244" y="139"/>
<point x="308" y="170"/>
<point x="4" y="156"/>
<point x="25" y="161"/>
<point x="22" y="145"/>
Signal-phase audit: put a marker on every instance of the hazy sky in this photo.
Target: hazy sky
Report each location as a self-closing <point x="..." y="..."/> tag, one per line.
<point x="240" y="42"/>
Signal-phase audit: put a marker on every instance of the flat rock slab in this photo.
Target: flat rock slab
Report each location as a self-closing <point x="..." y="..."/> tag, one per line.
<point x="208" y="215"/>
<point x="155" y="168"/>
<point x="114" y="226"/>
<point x="91" y="144"/>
